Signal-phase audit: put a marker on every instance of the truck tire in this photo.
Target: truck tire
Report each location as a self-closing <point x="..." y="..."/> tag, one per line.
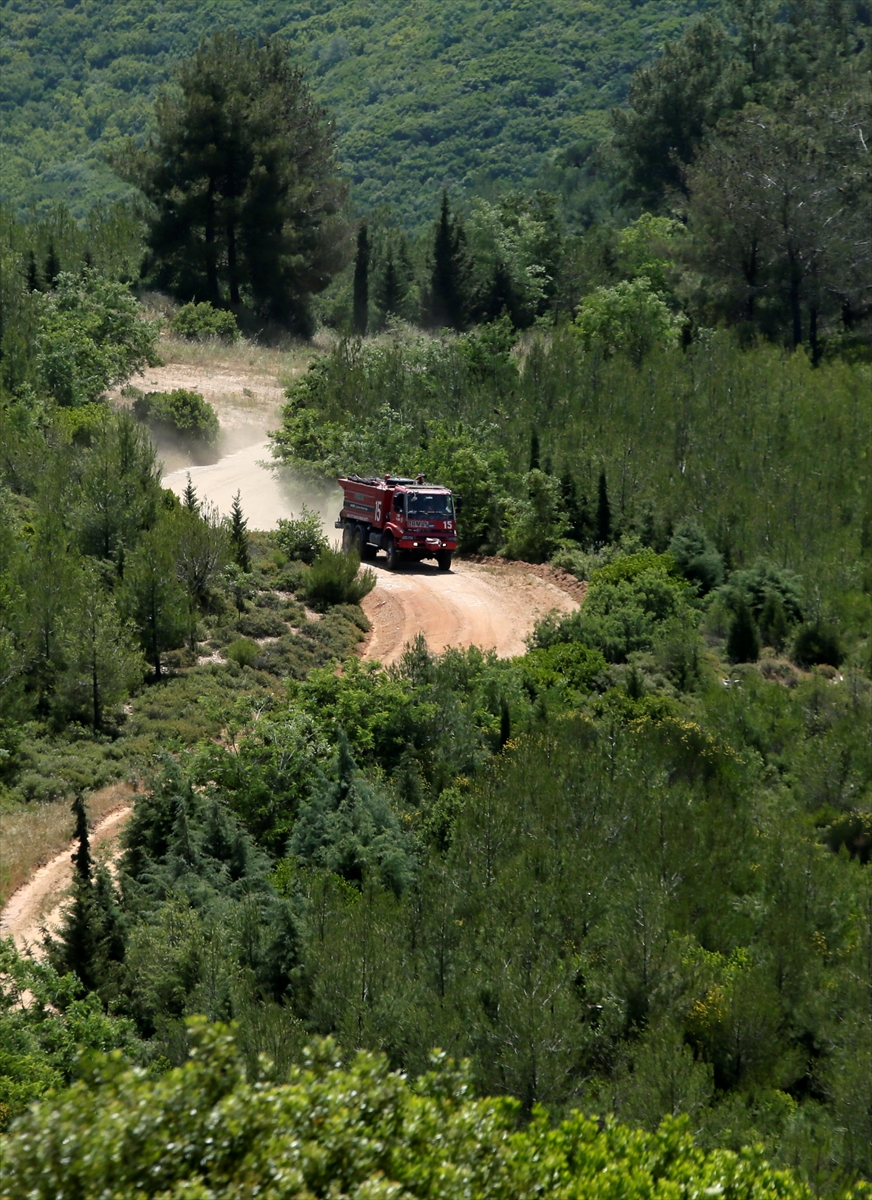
<point x="347" y="533"/>
<point x="392" y="553"/>
<point x="443" y="560"/>
<point x="357" y="541"/>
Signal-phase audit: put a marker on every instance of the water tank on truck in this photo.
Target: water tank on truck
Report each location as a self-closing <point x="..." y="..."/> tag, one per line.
<point x="406" y="518"/>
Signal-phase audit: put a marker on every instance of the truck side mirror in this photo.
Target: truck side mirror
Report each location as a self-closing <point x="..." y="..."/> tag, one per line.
<point x="458" y="504"/>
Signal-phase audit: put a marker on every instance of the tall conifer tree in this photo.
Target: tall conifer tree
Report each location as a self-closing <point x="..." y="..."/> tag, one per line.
<point x="360" y="316"/>
<point x="449" y="279"/>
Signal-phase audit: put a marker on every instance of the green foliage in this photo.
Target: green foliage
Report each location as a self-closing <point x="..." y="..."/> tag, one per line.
<point x="696" y="557"/>
<point x="743" y="639"/>
<point x="202" y="322"/>
<point x="241" y="213"/>
<point x="631" y="606"/>
<point x="336" y="578"/>
<point x="469" y="94"/>
<point x="360" y="1129"/>
<point x="242" y="651"/>
<point x="48" y="1029"/>
<point x="90" y="337"/>
<point x="534" y="526"/>
<point x="815" y="643"/>
<point x="180" y="411"/>
<point x="347" y="827"/>
<point x="629" y="318"/>
<point x="302" y="538"/>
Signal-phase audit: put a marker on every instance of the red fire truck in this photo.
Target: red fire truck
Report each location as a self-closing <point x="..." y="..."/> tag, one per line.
<point x="407" y="518"/>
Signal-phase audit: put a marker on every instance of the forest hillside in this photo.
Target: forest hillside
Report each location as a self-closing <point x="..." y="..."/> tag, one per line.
<point x="585" y="913"/>
<point x="464" y="94"/>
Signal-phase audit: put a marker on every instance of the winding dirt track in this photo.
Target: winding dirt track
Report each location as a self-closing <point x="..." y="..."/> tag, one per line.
<point x="473" y="604"/>
<point x="492" y="605"/>
<point x="38" y="904"/>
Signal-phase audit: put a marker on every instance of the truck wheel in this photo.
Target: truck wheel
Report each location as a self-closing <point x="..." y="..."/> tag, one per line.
<point x="346" y="539"/>
<point x="443" y="560"/>
<point x="357" y="541"/>
<point x="393" y="554"/>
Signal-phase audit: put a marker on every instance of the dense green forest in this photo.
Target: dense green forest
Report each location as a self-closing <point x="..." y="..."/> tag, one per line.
<point x="388" y="932"/>
<point x="463" y="95"/>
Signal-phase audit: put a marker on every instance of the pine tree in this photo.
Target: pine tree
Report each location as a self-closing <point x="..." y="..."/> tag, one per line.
<point x="153" y="597"/>
<point x="189" y="497"/>
<point x="360" y="314"/>
<point x="449" y="279"/>
<point x="391" y="288"/>
<point x="603" y="512"/>
<point x="239" y="534"/>
<point x="243" y="181"/>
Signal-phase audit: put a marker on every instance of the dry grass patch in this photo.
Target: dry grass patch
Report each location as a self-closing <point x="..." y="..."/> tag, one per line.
<point x="31" y="836"/>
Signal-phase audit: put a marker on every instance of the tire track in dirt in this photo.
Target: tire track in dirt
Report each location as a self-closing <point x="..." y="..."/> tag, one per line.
<point x="494" y="607"/>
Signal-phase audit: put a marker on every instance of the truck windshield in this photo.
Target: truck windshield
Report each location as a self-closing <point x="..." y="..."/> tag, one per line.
<point x="430" y="504"/>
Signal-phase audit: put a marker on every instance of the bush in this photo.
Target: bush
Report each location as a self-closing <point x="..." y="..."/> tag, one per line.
<point x="816" y="644"/>
<point x="260" y="624"/>
<point x="333" y="579"/>
<point x="180" y="411"/>
<point x="243" y="651"/>
<point x="696" y="558"/>
<point x="200" y="322"/>
<point x="302" y="538"/>
<point x="762" y="581"/>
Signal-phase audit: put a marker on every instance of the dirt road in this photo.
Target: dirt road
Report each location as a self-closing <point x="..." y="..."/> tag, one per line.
<point x="473" y="604"/>
<point x="38" y="904"/>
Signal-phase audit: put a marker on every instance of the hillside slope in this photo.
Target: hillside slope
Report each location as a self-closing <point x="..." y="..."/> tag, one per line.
<point x="459" y="93"/>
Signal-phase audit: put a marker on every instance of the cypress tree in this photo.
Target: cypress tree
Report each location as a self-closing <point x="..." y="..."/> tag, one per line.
<point x="743" y="640"/>
<point x="534" y="451"/>
<point x="239" y="534"/>
<point x="75" y="947"/>
<point x="33" y="283"/>
<point x="360" y="312"/>
<point x="505" y="722"/>
<point x="575" y="507"/>
<point x="603" y="512"/>
<point x="391" y="287"/>
<point x="449" y="277"/>
<point x="52" y="266"/>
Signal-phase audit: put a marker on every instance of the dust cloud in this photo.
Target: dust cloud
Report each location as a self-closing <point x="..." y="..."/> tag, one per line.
<point x="268" y="491"/>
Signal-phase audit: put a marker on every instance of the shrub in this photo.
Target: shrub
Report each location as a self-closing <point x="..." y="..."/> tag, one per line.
<point x="696" y="558"/>
<point x="200" y="322"/>
<point x="816" y="644"/>
<point x="260" y="624"/>
<point x="243" y="651"/>
<point x="535" y="525"/>
<point x="302" y="538"/>
<point x="760" y="582"/>
<point x="180" y="411"/>
<point x="334" y="579"/>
